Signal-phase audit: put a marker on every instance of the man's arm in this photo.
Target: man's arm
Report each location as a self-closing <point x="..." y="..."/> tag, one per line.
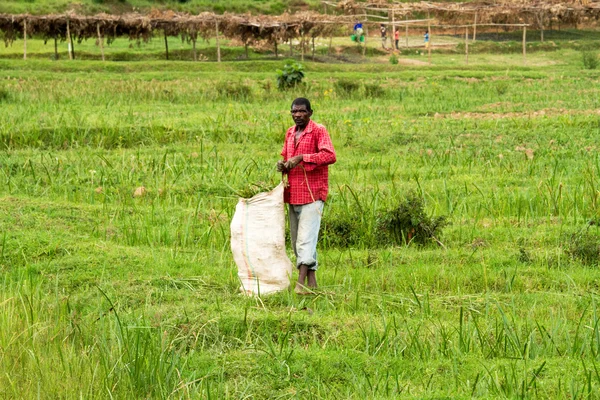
<point x="325" y="154"/>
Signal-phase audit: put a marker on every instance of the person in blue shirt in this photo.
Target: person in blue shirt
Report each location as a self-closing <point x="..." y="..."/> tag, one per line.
<point x="426" y="37"/>
<point x="358" y="32"/>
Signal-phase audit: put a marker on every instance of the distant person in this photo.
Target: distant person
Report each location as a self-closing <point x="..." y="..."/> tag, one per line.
<point x="396" y="38"/>
<point x="307" y="153"/>
<point x="426" y="38"/>
<point x="358" y="31"/>
<point x="358" y="28"/>
<point x="383" y="31"/>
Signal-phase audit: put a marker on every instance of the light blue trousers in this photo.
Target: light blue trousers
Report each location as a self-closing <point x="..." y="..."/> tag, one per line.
<point x="305" y="221"/>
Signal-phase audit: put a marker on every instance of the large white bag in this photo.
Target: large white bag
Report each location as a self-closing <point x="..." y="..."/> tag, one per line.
<point x="258" y="243"/>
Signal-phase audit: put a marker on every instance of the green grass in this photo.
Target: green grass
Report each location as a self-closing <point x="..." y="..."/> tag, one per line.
<point x="105" y="294"/>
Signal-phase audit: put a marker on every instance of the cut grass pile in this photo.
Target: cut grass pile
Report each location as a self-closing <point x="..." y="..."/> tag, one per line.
<point x="109" y="292"/>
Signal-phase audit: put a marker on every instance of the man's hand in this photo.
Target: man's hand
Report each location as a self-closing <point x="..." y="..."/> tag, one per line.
<point x="293" y="162"/>
<point x="281" y="166"/>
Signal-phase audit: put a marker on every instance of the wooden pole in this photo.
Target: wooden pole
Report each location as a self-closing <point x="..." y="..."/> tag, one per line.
<point x="100" y="41"/>
<point x="330" y="43"/>
<point x="55" y="48"/>
<point x="524" y="45"/>
<point x="218" y="44"/>
<point x="541" y="26"/>
<point x="69" y="42"/>
<point x="276" y="50"/>
<point x="313" y="47"/>
<point x="475" y="28"/>
<point x="302" y="46"/>
<point x="246" y="50"/>
<point x="406" y="31"/>
<point x="467" y="45"/>
<point x="291" y="47"/>
<point x="25" y="39"/>
<point x="365" y="43"/>
<point x="429" y="42"/>
<point x="166" y="45"/>
<point x="393" y="30"/>
<point x="194" y="48"/>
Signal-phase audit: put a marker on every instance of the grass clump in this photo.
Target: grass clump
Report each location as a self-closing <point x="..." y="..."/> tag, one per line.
<point x="590" y="59"/>
<point x="346" y="87"/>
<point x="409" y="223"/>
<point x="290" y="76"/>
<point x="584" y="246"/>
<point x="233" y="90"/>
<point x="393" y="59"/>
<point x="374" y="91"/>
<point x="4" y="95"/>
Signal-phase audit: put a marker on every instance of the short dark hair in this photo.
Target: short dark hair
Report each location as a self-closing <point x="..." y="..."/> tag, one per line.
<point x="301" y="101"/>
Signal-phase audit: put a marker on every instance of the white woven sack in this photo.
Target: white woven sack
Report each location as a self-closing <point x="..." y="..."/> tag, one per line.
<point x="258" y="243"/>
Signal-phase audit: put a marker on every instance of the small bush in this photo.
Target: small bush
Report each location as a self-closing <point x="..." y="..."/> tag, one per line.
<point x="233" y="90"/>
<point x="590" y="59"/>
<point x="4" y="95"/>
<point x="346" y="87"/>
<point x="342" y="230"/>
<point x="501" y="87"/>
<point x="393" y="59"/>
<point x="408" y="223"/>
<point x="290" y="76"/>
<point x="585" y="247"/>
<point x="373" y="91"/>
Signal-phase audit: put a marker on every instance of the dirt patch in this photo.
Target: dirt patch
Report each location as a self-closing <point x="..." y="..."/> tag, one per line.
<point x="530" y="114"/>
<point x="408" y="61"/>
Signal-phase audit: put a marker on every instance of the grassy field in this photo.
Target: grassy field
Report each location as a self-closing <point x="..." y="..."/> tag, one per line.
<point x="106" y="294"/>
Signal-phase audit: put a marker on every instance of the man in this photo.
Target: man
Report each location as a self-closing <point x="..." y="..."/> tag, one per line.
<point x="307" y="152"/>
<point x="383" y="30"/>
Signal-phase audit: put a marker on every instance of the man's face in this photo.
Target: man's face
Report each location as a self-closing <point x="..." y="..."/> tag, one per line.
<point x="300" y="115"/>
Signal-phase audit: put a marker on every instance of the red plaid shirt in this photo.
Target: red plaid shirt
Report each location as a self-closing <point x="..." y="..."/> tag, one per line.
<point x="309" y="181"/>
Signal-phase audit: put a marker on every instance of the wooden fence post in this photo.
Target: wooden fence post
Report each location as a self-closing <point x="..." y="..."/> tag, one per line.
<point x="524" y="44"/>
<point x="25" y="39"/>
<point x="218" y="44"/>
<point x="365" y="43"/>
<point x="475" y="28"/>
<point x="100" y="41"/>
<point x="541" y="18"/>
<point x="69" y="41"/>
<point x="406" y="18"/>
<point x="55" y="48"/>
<point x="302" y="46"/>
<point x="166" y="44"/>
<point x="429" y="42"/>
<point x="194" y="38"/>
<point x="467" y="45"/>
<point x="393" y="30"/>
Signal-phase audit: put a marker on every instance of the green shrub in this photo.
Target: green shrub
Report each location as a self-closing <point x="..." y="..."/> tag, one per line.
<point x="346" y="87"/>
<point x="408" y="223"/>
<point x="590" y="59"/>
<point x="233" y="90"/>
<point x="341" y="230"/>
<point x="501" y="87"/>
<point x="584" y="246"/>
<point x="393" y="59"/>
<point x="4" y="95"/>
<point x="290" y="76"/>
<point x="373" y="91"/>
